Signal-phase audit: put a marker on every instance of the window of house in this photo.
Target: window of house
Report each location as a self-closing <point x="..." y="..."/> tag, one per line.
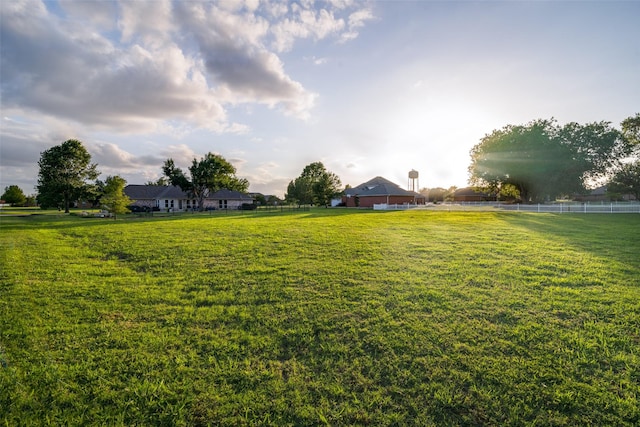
<point x="166" y="203"/>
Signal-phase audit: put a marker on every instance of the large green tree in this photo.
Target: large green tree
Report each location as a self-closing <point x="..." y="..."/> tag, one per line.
<point x="114" y="199"/>
<point x="315" y="185"/>
<point x="626" y="180"/>
<point x="64" y="172"/>
<point x="14" y="195"/>
<point x="543" y="160"/>
<point x="207" y="175"/>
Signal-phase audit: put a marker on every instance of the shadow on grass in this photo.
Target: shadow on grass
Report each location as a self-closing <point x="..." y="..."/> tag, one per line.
<point x="609" y="236"/>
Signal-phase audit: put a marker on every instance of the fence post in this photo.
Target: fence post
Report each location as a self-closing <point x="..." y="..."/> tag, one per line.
<point x="538" y="207"/>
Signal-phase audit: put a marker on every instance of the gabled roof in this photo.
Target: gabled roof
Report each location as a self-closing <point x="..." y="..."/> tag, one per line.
<point x="225" y="194"/>
<point x="379" y="186"/>
<point x="152" y="192"/>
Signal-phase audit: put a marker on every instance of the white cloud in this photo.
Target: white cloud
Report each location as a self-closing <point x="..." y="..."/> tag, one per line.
<point x="168" y="61"/>
<point x="101" y="14"/>
<point x="149" y="22"/>
<point x="357" y="20"/>
<point x="303" y="21"/>
<point x="110" y="155"/>
<point x="181" y="154"/>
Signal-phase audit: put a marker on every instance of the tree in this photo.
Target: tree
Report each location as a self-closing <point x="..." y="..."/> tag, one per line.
<point x="449" y="195"/>
<point x="207" y="175"/>
<point x="631" y="129"/>
<point x="273" y="201"/>
<point x="64" y="171"/>
<point x="260" y="199"/>
<point x="299" y="191"/>
<point x="14" y="195"/>
<point x="31" y="201"/>
<point x="163" y="180"/>
<point x="543" y="160"/>
<point x="114" y="200"/>
<point x="315" y="185"/>
<point x="95" y="193"/>
<point x="326" y="188"/>
<point x="436" y="194"/>
<point x="626" y="180"/>
<point x="631" y="132"/>
<point x="508" y="192"/>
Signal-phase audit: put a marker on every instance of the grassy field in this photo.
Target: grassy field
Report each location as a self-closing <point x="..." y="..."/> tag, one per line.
<point x="322" y="317"/>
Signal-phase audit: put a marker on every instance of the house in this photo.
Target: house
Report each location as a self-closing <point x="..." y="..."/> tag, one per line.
<point x="227" y="199"/>
<point x="159" y="197"/>
<point x="174" y="199"/>
<point x="468" y="194"/>
<point x="379" y="190"/>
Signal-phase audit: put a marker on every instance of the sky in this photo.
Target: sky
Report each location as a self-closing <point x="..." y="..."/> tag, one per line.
<point x="368" y="88"/>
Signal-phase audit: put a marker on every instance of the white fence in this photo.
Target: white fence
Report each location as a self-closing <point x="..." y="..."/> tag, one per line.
<point x="560" y="207"/>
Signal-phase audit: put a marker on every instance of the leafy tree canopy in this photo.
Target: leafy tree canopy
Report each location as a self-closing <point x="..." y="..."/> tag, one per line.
<point x="114" y="200"/>
<point x="209" y="174"/>
<point x="163" y="180"/>
<point x="315" y="185"/>
<point x="14" y="195"/>
<point x="626" y="180"/>
<point x="631" y="129"/>
<point x="64" y="172"/>
<point x="544" y="160"/>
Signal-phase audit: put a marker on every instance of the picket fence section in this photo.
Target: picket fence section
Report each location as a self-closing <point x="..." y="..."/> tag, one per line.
<point x="561" y="208"/>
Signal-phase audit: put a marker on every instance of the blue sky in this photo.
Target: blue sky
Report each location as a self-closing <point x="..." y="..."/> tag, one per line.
<point x="368" y="88"/>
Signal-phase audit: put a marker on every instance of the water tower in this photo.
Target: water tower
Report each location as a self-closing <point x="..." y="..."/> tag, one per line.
<point x="414" y="184"/>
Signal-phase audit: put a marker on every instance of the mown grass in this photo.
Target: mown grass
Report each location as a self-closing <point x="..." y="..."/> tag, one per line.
<point x="323" y="317"/>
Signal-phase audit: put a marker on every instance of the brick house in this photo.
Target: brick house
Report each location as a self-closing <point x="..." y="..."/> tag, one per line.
<point x="380" y="190"/>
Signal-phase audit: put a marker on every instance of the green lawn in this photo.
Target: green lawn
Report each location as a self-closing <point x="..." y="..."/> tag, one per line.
<point x="332" y="317"/>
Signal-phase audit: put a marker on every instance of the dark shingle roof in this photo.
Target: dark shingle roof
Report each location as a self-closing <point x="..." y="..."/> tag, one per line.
<point x="225" y="194"/>
<point x="379" y="186"/>
<point x="152" y="192"/>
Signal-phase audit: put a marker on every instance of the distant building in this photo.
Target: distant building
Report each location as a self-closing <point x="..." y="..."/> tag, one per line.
<point x="601" y="194"/>
<point x="172" y="198"/>
<point x="380" y="190"/>
<point x="468" y="194"/>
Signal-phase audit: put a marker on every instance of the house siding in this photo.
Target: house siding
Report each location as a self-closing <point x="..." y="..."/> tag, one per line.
<point x="225" y="203"/>
<point x="173" y="199"/>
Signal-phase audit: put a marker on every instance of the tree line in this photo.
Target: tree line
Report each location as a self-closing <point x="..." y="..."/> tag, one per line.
<point x="66" y="175"/>
<point x="534" y="162"/>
